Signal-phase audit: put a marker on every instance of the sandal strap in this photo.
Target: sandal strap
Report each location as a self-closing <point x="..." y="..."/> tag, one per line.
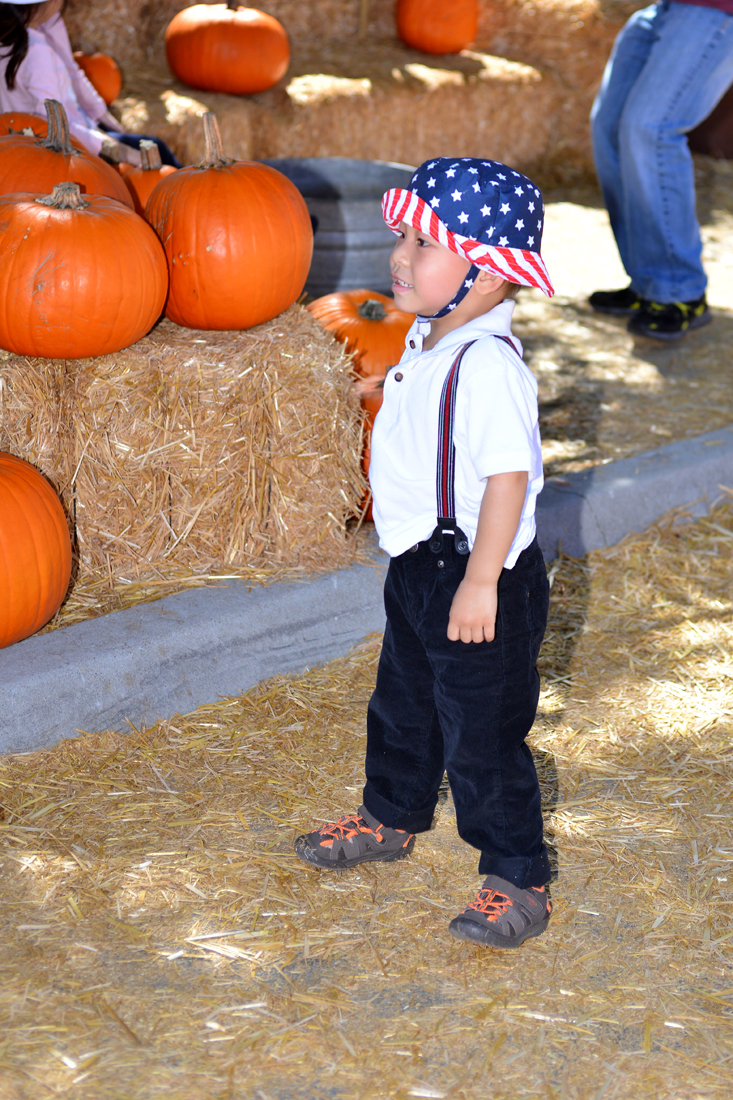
<point x="511" y="908"/>
<point x="360" y="830"/>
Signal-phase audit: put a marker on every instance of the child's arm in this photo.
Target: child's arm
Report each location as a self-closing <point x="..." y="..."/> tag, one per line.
<point x="473" y="611"/>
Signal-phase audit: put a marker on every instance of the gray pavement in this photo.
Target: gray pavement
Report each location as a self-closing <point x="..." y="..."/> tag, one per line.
<point x="168" y="657"/>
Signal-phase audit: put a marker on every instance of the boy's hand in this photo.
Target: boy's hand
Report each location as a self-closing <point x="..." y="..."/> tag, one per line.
<point x="473" y="612"/>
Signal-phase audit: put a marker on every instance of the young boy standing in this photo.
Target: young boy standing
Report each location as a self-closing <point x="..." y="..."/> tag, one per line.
<point x="455" y="470"/>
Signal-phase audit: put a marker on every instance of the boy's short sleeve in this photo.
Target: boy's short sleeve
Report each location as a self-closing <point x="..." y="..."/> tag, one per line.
<point x="497" y="411"/>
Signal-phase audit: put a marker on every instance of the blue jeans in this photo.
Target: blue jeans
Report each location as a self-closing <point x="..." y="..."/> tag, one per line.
<point x="462" y="707"/>
<point x="669" y="67"/>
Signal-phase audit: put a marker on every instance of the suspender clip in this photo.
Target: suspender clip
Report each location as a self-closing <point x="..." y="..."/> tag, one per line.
<point x="448" y="526"/>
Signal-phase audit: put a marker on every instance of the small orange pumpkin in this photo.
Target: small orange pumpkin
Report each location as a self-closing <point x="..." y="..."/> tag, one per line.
<point x="437" y="26"/>
<point x="102" y="72"/>
<point x="142" y="180"/>
<point x="78" y="276"/>
<point x="18" y="123"/>
<point x="371" y="401"/>
<point x="35" y="550"/>
<point x="37" y="164"/>
<point x="227" y="48"/>
<point x="370" y="325"/>
<point x="237" y="236"/>
<point x="374" y="329"/>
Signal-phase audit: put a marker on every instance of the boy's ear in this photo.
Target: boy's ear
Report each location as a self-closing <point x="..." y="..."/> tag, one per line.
<point x="487" y="282"/>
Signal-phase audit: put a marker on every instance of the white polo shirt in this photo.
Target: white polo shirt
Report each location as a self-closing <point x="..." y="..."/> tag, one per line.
<point x="495" y="431"/>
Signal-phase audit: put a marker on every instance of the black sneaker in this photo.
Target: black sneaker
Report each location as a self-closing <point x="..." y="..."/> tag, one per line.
<point x="622" y="303"/>
<point x="669" y="320"/>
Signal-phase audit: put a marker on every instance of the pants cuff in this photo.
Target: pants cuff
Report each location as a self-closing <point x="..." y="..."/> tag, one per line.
<point x="521" y="871"/>
<point x="394" y="817"/>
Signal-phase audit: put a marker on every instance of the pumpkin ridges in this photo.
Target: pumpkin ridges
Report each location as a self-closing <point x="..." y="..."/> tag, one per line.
<point x="437" y="26"/>
<point x="141" y="181"/>
<point x="31" y="569"/>
<point x="260" y="240"/>
<point x="217" y="48"/>
<point x="376" y="344"/>
<point x="106" y="299"/>
<point x="35" y="164"/>
<point x="102" y="72"/>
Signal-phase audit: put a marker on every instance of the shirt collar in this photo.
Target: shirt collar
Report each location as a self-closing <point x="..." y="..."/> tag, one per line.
<point x="497" y="322"/>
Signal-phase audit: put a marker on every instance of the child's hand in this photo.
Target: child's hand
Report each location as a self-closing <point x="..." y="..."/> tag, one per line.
<point x="370" y="385"/>
<point x="473" y="612"/>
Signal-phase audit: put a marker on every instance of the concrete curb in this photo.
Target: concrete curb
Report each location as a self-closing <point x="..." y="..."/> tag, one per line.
<point x="171" y="656"/>
<point x="598" y="507"/>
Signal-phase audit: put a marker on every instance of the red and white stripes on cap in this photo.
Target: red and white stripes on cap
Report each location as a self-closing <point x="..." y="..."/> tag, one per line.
<point x="469" y="193"/>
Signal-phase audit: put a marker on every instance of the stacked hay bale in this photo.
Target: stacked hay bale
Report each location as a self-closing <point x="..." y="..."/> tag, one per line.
<point x="198" y="449"/>
<point x="367" y="95"/>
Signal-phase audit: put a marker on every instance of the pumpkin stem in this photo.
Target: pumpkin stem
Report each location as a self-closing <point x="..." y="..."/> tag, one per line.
<point x="214" y="153"/>
<point x="65" y="196"/>
<point x="233" y="5"/>
<point x="58" y="138"/>
<point x="150" y="156"/>
<point x="372" y="310"/>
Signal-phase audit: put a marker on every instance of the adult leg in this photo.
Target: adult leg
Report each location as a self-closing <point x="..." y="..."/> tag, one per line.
<point x="689" y="68"/>
<point x="629" y="56"/>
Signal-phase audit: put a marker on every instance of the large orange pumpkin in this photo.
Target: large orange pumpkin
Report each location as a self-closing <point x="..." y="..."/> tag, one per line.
<point x="141" y="181"/>
<point x="35" y="550"/>
<point x="237" y="236"/>
<point x="78" y="276"/>
<point x="227" y="48"/>
<point x="37" y="164"/>
<point x="102" y="72"/>
<point x="437" y="26"/>
<point x="370" y="325"/>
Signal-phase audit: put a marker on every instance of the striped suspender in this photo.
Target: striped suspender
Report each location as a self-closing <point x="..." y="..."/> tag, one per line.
<point x="446" y="468"/>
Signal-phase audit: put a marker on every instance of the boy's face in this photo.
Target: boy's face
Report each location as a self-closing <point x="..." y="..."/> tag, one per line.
<point x="425" y="274"/>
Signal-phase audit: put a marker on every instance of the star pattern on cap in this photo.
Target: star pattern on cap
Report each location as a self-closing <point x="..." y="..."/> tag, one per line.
<point x="484" y="210"/>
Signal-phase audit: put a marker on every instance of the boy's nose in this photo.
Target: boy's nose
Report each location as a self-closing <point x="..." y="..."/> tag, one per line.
<point x="397" y="255"/>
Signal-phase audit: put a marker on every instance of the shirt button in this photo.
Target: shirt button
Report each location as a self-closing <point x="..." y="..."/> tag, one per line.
<point x="399" y="376"/>
<point x="412" y="343"/>
<point x="441" y="564"/>
<point x="414" y="549"/>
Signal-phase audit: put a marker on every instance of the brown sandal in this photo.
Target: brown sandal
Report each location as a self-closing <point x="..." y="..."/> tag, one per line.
<point x="354" y="838"/>
<point x="503" y="915"/>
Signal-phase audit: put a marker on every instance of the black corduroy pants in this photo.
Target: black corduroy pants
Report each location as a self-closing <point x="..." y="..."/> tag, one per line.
<point x="463" y="708"/>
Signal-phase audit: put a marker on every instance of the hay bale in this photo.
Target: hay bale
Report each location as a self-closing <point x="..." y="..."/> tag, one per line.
<point x="196" y="449"/>
<point x="395" y="104"/>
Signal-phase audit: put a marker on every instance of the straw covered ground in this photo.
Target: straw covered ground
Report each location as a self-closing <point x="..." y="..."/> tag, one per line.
<point x="195" y="453"/>
<point x="160" y="939"/>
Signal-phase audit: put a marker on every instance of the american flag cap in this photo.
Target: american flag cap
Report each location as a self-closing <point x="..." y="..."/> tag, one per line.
<point x="483" y="210"/>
